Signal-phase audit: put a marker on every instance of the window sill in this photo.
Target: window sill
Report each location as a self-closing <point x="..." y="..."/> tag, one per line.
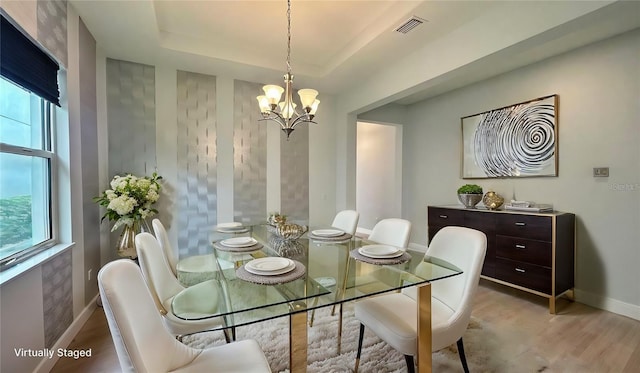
<point x="36" y="260"/>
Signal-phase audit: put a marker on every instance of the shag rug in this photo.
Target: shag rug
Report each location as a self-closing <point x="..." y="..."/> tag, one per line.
<point x="273" y="336"/>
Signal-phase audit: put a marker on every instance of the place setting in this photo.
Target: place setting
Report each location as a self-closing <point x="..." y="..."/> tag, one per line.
<point x="238" y="244"/>
<point x="380" y="254"/>
<point x="329" y="234"/>
<point x="271" y="270"/>
<point x="232" y="227"/>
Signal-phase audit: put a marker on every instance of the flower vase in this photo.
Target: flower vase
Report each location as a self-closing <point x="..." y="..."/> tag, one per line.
<point x="126" y="247"/>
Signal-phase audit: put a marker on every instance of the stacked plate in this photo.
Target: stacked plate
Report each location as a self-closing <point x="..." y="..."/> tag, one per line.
<point x="239" y="242"/>
<point x="270" y="266"/>
<point x="233" y="227"/>
<point x="327" y="232"/>
<point x="380" y="251"/>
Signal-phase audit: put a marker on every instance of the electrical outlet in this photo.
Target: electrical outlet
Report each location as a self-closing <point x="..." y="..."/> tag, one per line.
<point x="89" y="274"/>
<point x="601" y="172"/>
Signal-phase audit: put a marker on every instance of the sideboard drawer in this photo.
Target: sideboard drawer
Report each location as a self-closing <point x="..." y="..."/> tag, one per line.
<point x="526" y="275"/>
<point x="443" y="217"/>
<point x="524" y="250"/>
<point x="526" y="226"/>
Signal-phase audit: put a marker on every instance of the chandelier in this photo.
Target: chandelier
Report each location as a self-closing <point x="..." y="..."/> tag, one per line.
<point x="285" y="113"/>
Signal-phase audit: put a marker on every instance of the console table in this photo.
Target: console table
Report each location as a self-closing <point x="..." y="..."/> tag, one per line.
<point x="533" y="252"/>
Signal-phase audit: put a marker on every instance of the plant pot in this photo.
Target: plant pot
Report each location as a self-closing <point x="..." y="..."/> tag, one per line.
<point x="469" y="200"/>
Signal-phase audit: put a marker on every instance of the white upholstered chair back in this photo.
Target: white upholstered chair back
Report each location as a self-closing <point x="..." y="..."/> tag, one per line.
<point x="392" y="231"/>
<point x="465" y="248"/>
<point x="347" y="221"/>
<point x="165" y="244"/>
<point x="161" y="281"/>
<point x="141" y="340"/>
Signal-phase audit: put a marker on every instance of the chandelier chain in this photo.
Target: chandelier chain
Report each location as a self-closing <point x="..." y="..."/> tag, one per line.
<point x="289" y="36"/>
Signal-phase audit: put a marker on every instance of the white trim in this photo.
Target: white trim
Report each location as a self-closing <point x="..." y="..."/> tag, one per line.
<point x="608" y="304"/>
<point x="67" y="337"/>
<point x="35" y="261"/>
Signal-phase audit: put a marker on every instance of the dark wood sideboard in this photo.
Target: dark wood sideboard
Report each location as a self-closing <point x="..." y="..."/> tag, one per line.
<point x="533" y="252"/>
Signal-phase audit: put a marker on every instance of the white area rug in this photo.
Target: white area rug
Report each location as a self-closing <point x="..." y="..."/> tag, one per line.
<point x="273" y="336"/>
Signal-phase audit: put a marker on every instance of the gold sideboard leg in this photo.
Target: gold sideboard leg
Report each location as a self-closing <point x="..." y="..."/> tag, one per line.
<point x="552" y="305"/>
<point x="424" y="328"/>
<point x="298" y="342"/>
<point x="571" y="294"/>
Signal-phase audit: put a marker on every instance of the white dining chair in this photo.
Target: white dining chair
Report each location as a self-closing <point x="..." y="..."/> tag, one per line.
<point x="391" y="231"/>
<point x="143" y="344"/>
<point x="347" y="221"/>
<point x="189" y="270"/>
<point x="393" y="317"/>
<point x="164" y="286"/>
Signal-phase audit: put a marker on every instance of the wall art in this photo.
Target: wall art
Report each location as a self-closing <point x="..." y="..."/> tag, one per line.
<point x="520" y="140"/>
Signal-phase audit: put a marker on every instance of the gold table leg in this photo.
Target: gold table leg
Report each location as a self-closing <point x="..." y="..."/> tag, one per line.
<point x="298" y="342"/>
<point x="424" y="328"/>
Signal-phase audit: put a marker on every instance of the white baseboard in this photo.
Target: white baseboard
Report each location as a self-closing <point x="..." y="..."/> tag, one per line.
<point x="47" y="364"/>
<point x="608" y="304"/>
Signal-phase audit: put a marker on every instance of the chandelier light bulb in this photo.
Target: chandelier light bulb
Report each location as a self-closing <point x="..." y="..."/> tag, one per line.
<point x="307" y="97"/>
<point x="273" y="93"/>
<point x="263" y="101"/>
<point x="314" y="107"/>
<point x="287" y="109"/>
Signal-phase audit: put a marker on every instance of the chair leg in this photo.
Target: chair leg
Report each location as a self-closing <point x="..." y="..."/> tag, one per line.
<point x="411" y="368"/>
<point x="360" y="338"/>
<point x="463" y="359"/>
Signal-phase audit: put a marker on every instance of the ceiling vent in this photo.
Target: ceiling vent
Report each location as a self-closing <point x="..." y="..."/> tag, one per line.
<point x="410" y="24"/>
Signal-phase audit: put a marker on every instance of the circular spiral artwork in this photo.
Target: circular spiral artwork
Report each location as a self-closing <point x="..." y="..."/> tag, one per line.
<point x="515" y="141"/>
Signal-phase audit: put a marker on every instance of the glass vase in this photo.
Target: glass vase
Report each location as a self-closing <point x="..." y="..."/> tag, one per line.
<point x="126" y="246"/>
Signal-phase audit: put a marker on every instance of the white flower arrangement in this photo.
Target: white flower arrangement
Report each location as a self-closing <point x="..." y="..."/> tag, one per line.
<point x="130" y="199"/>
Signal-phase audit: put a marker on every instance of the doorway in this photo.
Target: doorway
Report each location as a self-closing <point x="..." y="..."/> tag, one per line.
<point x="378" y="172"/>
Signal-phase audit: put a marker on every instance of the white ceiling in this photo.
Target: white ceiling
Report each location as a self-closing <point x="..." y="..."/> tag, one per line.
<point x="335" y="44"/>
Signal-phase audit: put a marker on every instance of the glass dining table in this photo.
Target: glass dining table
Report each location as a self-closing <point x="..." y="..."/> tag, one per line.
<point x="328" y="272"/>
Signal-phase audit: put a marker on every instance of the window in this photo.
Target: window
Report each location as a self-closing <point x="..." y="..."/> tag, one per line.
<point x="26" y="163"/>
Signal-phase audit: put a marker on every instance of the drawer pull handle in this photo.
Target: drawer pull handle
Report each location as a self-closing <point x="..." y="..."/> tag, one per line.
<point x="521" y="247"/>
<point x="520" y="270"/>
<point x="443" y="216"/>
<point x="519" y="223"/>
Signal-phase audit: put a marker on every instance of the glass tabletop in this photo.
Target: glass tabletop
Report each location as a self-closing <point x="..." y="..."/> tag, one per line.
<point x="331" y="276"/>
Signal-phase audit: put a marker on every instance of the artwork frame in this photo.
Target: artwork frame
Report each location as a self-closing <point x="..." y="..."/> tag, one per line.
<point x="515" y="141"/>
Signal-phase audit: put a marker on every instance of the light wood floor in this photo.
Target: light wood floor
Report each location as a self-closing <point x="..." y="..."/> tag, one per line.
<point x="577" y="339"/>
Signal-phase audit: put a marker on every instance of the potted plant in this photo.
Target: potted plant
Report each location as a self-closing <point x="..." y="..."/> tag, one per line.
<point x="469" y="195"/>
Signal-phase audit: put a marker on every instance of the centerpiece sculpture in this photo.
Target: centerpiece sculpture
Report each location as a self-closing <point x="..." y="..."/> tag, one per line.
<point x="286" y="231"/>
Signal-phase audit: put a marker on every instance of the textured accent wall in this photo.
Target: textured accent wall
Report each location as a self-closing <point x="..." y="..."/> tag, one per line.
<point x="57" y="296"/>
<point x="294" y="174"/>
<point x="249" y="155"/>
<point x="52" y="27"/>
<point x="197" y="187"/>
<point x="131" y="117"/>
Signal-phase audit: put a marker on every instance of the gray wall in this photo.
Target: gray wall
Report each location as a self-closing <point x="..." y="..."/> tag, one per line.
<point x="89" y="138"/>
<point x="599" y="125"/>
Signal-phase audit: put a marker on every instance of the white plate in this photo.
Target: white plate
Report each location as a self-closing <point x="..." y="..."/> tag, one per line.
<point x="233" y="230"/>
<point x="327" y="232"/>
<point x="239" y="242"/>
<point x="234" y="224"/>
<point x="380" y="251"/>
<point x="270" y="266"/>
